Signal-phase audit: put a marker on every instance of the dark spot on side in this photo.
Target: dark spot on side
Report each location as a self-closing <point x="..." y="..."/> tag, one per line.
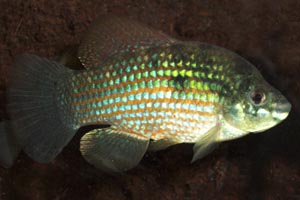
<point x="179" y="81"/>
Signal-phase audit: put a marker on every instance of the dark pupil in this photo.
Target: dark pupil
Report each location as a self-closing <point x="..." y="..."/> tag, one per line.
<point x="257" y="98"/>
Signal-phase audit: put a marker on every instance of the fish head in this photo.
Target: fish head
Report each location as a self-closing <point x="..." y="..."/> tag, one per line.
<point x="253" y="104"/>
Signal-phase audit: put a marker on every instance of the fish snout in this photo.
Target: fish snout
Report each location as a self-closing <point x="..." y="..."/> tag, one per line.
<point x="281" y="109"/>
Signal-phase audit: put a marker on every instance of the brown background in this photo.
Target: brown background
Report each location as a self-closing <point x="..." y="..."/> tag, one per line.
<point x="261" y="166"/>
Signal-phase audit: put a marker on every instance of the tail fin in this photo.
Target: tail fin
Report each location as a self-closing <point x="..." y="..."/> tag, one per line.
<point x="9" y="147"/>
<point x="33" y="107"/>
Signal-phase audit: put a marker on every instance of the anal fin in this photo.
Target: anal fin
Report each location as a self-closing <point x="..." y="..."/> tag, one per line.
<point x="112" y="149"/>
<point x="161" y="144"/>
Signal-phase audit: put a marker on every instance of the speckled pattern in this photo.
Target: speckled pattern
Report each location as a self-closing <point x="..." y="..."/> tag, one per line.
<point x="260" y="166"/>
<point x="170" y="92"/>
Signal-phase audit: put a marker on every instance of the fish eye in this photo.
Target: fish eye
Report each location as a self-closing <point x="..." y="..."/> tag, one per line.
<point x="258" y="98"/>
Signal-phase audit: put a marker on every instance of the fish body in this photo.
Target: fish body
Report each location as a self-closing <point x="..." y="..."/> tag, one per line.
<point x="153" y="91"/>
<point x="168" y="92"/>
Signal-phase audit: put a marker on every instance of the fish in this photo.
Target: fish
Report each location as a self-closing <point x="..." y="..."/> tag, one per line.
<point x="152" y="91"/>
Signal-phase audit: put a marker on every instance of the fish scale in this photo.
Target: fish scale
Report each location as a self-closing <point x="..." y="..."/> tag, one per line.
<point x="158" y="92"/>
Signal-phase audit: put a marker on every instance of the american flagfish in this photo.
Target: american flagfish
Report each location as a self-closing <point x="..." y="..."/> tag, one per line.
<point x="153" y="91"/>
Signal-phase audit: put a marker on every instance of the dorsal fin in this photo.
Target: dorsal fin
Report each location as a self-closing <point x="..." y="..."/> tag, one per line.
<point x="112" y="35"/>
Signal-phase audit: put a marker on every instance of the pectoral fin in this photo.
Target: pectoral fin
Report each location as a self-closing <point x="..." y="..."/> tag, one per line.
<point x="207" y="143"/>
<point x="112" y="149"/>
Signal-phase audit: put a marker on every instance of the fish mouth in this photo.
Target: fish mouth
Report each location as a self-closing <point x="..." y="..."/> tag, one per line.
<point x="281" y="110"/>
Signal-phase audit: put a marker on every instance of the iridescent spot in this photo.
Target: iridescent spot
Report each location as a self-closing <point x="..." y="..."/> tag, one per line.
<point x="153" y="96"/>
<point x="138" y="96"/>
<point x="105" y="102"/>
<point x="135" y="67"/>
<point x="131" y="77"/>
<point x="142" y="84"/>
<point x="164" y="83"/>
<point x="145" y="74"/>
<point x="157" y="83"/>
<point x="124" y="99"/>
<point x="131" y="97"/>
<point x="146" y="95"/>
<point x="117" y="81"/>
<point x="107" y="75"/>
<point x="124" y="78"/>
<point x="135" y="86"/>
<point x="138" y="75"/>
<point x="160" y="72"/>
<point x="127" y="69"/>
<point x="156" y="105"/>
<point x="134" y="107"/>
<point x="175" y="73"/>
<point x="153" y="73"/>
<point x="128" y="88"/>
<point x="165" y="63"/>
<point x="122" y="90"/>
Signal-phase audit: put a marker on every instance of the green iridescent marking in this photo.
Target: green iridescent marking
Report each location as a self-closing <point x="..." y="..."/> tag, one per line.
<point x="142" y="66"/>
<point x="182" y="95"/>
<point x="164" y="83"/>
<point x="150" y="84"/>
<point x="193" y="84"/>
<point x="203" y="97"/>
<point x="172" y="64"/>
<point x="124" y="78"/>
<point x="175" y="95"/>
<point x="145" y="74"/>
<point x="135" y="67"/>
<point x="127" y="69"/>
<point x="150" y="64"/>
<point x="175" y="73"/>
<point x="131" y="77"/>
<point x="182" y="72"/>
<point x="153" y="73"/>
<point x="180" y="63"/>
<point x="160" y="72"/>
<point x="162" y="54"/>
<point x="213" y="86"/>
<point x="206" y="86"/>
<point x="138" y="75"/>
<point x="171" y="83"/>
<point x="168" y="72"/>
<point x="157" y="83"/>
<point x="104" y="84"/>
<point x="165" y="63"/>
<point x="142" y="84"/>
<point x="128" y="88"/>
<point x="190" y="95"/>
<point x="210" y="75"/>
<point x="189" y="73"/>
<point x="135" y="86"/>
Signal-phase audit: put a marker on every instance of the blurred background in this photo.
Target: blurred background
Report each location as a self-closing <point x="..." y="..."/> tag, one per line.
<point x="259" y="166"/>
